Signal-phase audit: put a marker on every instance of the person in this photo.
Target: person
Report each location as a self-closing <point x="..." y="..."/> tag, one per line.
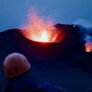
<point x="17" y="71"/>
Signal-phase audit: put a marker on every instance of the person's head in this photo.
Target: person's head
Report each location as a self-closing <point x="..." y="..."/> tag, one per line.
<point x="15" y="64"/>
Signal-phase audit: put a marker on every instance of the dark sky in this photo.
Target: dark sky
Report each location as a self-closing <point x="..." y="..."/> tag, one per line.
<point x="13" y="13"/>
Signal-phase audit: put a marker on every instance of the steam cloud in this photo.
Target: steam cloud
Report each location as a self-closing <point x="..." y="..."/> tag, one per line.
<point x="86" y="28"/>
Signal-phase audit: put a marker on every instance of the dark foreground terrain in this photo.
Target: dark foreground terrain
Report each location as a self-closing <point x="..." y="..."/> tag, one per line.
<point x="65" y="64"/>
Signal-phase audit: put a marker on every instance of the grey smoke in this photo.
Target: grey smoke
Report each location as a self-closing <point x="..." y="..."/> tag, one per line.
<point x="83" y="22"/>
<point x="85" y="29"/>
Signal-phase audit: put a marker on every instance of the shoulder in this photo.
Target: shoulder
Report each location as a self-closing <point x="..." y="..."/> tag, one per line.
<point x="46" y="87"/>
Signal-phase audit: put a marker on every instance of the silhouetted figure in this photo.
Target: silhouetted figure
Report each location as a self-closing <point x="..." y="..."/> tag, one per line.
<point x="18" y="73"/>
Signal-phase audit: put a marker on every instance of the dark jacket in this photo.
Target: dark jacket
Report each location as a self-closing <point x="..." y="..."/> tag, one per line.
<point x="26" y="83"/>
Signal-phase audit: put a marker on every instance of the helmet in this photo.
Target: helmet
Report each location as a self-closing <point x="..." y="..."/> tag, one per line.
<point x="15" y="64"/>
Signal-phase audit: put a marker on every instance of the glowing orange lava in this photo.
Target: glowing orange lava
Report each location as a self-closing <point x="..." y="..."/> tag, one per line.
<point x="43" y="38"/>
<point x="42" y="30"/>
<point x="88" y="47"/>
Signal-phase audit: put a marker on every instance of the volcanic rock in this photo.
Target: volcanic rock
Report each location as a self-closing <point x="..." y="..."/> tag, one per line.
<point x="13" y="40"/>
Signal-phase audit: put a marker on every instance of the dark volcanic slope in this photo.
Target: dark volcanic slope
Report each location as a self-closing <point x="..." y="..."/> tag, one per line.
<point x="7" y="44"/>
<point x="61" y="74"/>
<point x="12" y="41"/>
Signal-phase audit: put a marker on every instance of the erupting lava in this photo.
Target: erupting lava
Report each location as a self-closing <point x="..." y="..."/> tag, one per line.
<point x="44" y="37"/>
<point x="42" y="31"/>
<point x="88" y="47"/>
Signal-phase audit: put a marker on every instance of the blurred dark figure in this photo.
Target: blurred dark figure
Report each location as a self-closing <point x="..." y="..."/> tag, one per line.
<point x="18" y="73"/>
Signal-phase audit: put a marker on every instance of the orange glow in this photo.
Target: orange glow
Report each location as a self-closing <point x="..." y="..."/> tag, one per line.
<point x="42" y="30"/>
<point x="44" y="37"/>
<point x="88" y="47"/>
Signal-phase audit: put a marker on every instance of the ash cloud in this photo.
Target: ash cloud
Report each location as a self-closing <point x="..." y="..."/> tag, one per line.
<point x="84" y="23"/>
<point x="85" y="27"/>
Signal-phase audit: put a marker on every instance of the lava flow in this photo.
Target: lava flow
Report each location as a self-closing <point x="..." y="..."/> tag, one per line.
<point x="42" y="31"/>
<point x="88" y="47"/>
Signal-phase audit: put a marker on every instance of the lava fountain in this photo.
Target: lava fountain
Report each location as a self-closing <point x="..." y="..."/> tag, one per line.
<point x="41" y="30"/>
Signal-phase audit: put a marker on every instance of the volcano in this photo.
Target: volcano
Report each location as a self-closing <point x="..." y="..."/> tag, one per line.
<point x="71" y="64"/>
<point x="13" y="40"/>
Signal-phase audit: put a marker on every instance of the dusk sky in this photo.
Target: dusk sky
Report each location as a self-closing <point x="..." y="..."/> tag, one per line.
<point x="13" y="13"/>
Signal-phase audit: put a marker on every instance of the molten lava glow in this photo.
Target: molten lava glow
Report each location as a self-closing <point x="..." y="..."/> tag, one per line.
<point x="44" y="37"/>
<point x="88" y="47"/>
<point x="42" y="30"/>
